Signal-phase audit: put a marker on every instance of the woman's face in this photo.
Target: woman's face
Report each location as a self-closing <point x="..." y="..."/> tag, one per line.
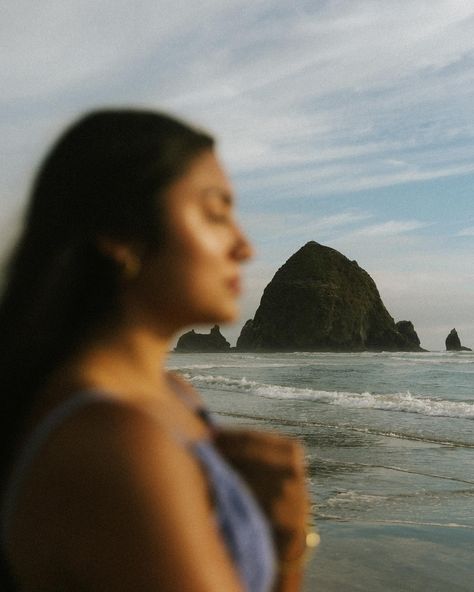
<point x="196" y="276"/>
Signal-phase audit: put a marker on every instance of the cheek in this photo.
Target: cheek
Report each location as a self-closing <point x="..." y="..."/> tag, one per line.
<point x="199" y="242"/>
<point x="190" y="270"/>
<point x="189" y="289"/>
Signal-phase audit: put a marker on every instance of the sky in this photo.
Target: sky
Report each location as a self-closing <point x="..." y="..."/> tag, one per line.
<point x="347" y="122"/>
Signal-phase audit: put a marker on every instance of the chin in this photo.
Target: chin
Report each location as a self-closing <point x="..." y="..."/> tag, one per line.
<point x="228" y="314"/>
<point x="231" y="313"/>
<point x="223" y="318"/>
<point x="213" y="310"/>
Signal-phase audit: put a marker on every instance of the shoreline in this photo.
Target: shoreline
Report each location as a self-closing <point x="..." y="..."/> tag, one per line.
<point x="392" y="489"/>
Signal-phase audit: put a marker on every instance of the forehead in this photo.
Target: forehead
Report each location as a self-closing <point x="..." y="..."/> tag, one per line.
<point x="204" y="179"/>
<point x="206" y="171"/>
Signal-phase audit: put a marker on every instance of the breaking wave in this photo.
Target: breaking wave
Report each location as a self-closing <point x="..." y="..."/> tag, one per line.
<point x="404" y="402"/>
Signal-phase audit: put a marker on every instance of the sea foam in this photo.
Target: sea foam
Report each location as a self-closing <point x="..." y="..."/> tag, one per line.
<point x="401" y="401"/>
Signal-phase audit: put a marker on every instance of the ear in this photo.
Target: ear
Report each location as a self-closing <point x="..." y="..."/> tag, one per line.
<point x="123" y="254"/>
<point x="115" y="249"/>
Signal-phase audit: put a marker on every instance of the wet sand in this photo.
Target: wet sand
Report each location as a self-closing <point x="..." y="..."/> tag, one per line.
<point x="391" y="558"/>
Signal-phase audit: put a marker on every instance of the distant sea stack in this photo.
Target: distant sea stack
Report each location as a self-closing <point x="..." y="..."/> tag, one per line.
<point x="203" y="342"/>
<point x="453" y="343"/>
<point x="321" y="301"/>
<point x="407" y="329"/>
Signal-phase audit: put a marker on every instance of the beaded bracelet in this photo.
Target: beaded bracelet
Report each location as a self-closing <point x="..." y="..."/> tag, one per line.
<point x="312" y="540"/>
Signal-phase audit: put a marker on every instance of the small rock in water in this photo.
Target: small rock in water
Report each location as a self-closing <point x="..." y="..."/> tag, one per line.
<point x="202" y="342"/>
<point x="453" y="343"/>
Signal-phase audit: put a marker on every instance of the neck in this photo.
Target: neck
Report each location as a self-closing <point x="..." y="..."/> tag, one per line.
<point x="129" y="359"/>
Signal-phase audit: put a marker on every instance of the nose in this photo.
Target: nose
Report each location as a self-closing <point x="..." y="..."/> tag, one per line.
<point x="243" y="249"/>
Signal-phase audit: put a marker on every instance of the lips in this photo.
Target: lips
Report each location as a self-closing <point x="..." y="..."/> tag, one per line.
<point x="234" y="285"/>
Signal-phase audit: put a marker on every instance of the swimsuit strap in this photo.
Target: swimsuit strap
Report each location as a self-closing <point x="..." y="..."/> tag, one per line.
<point x="200" y="410"/>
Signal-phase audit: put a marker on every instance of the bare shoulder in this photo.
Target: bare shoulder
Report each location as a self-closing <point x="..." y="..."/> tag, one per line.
<point x="119" y="502"/>
<point x="103" y="430"/>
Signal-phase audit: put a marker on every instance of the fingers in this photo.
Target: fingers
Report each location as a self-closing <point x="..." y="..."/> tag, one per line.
<point x="270" y="454"/>
<point x="263" y="448"/>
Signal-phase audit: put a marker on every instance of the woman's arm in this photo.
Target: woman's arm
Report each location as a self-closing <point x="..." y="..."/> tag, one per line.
<point x="119" y="505"/>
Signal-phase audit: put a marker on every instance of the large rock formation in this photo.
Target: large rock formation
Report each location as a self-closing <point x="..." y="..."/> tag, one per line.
<point x="321" y="301"/>
<point x="453" y="343"/>
<point x="203" y="342"/>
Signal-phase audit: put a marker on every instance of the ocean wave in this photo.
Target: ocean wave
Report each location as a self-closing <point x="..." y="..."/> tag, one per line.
<point x="355" y="505"/>
<point x="448" y="360"/>
<point x="445" y="360"/>
<point x="404" y="402"/>
<point x="242" y="364"/>
<point x="331" y="517"/>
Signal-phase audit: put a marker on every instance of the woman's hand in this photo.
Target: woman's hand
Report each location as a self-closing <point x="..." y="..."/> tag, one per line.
<point x="273" y="466"/>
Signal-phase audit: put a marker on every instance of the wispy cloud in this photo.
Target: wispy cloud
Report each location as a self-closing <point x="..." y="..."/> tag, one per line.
<point x="469" y="231"/>
<point x="56" y="45"/>
<point x="323" y="100"/>
<point x="300" y="225"/>
<point x="283" y="86"/>
<point x="390" y="228"/>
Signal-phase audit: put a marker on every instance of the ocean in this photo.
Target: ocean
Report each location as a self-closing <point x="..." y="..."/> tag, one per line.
<point x="389" y="441"/>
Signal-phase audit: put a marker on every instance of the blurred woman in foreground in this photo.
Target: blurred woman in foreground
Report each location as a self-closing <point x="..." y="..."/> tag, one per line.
<point x="114" y="477"/>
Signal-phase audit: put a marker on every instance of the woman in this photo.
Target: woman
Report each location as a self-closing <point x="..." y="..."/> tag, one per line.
<point x="114" y="476"/>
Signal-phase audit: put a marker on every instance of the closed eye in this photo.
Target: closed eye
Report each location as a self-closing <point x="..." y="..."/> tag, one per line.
<point x="218" y="217"/>
<point x="218" y="205"/>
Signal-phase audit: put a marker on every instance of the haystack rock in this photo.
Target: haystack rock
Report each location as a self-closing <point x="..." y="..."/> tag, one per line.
<point x="321" y="301"/>
<point x="203" y="342"/>
<point x="453" y="343"/>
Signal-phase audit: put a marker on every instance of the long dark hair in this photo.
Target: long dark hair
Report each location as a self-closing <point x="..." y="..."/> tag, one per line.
<point x="103" y="178"/>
